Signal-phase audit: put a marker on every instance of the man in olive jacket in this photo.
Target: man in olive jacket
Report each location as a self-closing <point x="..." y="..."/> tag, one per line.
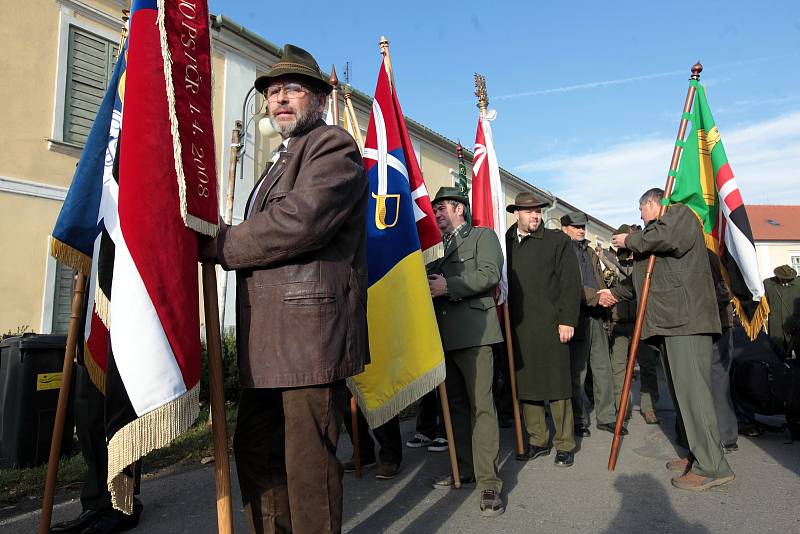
<point x="301" y="323"/>
<point x="783" y="295"/>
<point x="462" y="285"/>
<point x="544" y="298"/>
<point x="682" y="315"/>
<point x="590" y="344"/>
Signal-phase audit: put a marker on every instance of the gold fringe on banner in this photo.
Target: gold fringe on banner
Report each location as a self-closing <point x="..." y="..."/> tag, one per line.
<point x="150" y="431"/>
<point x="191" y="221"/>
<point x="403" y="398"/>
<point x="96" y="374"/>
<point x="756" y="324"/>
<point x="70" y="256"/>
<point x="433" y="254"/>
<point x="101" y="306"/>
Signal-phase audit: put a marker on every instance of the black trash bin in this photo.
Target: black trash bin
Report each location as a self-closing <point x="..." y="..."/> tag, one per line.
<point x="30" y="380"/>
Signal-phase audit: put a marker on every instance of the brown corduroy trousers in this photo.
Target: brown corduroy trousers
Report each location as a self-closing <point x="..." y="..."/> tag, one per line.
<point x="285" y="450"/>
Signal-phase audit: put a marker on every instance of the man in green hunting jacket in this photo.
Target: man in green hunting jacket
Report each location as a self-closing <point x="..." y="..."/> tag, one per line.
<point x="462" y="285"/>
<point x="681" y="317"/>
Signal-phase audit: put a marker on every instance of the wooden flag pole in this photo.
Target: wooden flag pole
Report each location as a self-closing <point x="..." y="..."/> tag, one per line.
<point x="356" y="435"/>
<point x="448" y="424"/>
<point x="512" y="376"/>
<point x="448" y="430"/>
<point x="483" y="106"/>
<point x="236" y="136"/>
<point x="334" y="96"/>
<point x="697" y="68"/>
<point x="219" y="429"/>
<point x="73" y="334"/>
<point x="350" y="113"/>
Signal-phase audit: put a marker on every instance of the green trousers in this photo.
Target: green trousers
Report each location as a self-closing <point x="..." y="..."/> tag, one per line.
<point x="536" y="424"/>
<point x="470" y="373"/>
<point x="592" y="347"/>
<point x="687" y="363"/>
<point x="648" y="361"/>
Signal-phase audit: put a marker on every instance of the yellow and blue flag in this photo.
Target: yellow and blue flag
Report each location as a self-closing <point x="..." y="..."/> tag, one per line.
<point x="407" y="360"/>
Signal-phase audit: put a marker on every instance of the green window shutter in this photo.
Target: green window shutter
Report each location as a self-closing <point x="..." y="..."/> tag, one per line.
<point x="90" y="62"/>
<point x="62" y="298"/>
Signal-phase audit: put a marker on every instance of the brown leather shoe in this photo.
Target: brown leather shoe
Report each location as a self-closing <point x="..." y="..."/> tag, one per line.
<point x="387" y="471"/>
<point x="650" y="417"/>
<point x="678" y="465"/>
<point x="693" y="482"/>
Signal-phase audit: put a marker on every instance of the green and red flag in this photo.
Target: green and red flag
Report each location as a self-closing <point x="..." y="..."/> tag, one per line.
<point x="705" y="183"/>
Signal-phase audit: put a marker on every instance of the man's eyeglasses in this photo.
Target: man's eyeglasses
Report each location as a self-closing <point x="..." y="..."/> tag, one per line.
<point x="293" y="91"/>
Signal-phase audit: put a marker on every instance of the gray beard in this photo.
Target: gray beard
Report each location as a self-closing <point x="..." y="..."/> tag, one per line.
<point x="298" y="126"/>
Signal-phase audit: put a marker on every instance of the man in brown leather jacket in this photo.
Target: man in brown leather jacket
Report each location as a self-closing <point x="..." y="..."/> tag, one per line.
<point x="301" y="321"/>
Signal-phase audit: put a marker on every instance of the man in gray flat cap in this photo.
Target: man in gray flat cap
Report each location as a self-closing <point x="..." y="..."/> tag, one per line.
<point x="590" y="344"/>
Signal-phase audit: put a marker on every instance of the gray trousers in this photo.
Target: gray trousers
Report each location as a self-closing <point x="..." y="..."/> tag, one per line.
<point x="687" y="364"/>
<point x="470" y="373"/>
<point x="647" y="357"/>
<point x="592" y="347"/>
<point x="721" y="389"/>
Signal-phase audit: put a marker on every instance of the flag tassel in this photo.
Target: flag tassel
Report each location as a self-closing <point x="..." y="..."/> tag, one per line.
<point x="70" y="256"/>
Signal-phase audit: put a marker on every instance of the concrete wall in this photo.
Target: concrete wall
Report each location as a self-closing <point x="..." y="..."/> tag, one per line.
<point x="35" y="167"/>
<point x="773" y="254"/>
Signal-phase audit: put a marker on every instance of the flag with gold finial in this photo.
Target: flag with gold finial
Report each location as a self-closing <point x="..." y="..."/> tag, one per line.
<point x="406" y="353"/>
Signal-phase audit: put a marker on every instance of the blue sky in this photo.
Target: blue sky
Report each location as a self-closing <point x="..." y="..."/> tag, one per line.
<point x="588" y="94"/>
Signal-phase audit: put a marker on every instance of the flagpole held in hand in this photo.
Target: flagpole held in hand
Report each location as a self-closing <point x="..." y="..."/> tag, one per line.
<point x="219" y="429"/>
<point x="63" y="398"/>
<point x="697" y="68"/>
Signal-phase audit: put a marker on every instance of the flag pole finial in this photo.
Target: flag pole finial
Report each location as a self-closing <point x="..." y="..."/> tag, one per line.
<point x="697" y="68"/>
<point x="334" y="79"/>
<point x="387" y="59"/>
<point x="480" y="92"/>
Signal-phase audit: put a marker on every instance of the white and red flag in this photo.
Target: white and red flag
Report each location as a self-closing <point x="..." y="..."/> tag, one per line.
<point x="488" y="198"/>
<point x="130" y="222"/>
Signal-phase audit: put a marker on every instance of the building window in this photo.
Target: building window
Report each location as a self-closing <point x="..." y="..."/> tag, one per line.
<point x="90" y="63"/>
<point x="62" y="298"/>
<point x="795" y="262"/>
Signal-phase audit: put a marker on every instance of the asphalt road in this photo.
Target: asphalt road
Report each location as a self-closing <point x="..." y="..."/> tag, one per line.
<point x="540" y="497"/>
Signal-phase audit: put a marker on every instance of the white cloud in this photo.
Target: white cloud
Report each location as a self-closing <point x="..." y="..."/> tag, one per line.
<point x="765" y="158"/>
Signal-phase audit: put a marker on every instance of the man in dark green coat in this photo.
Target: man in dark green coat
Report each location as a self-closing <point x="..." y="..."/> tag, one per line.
<point x="783" y="295"/>
<point x="544" y="298"/>
<point x="682" y="317"/>
<point x="462" y="285"/>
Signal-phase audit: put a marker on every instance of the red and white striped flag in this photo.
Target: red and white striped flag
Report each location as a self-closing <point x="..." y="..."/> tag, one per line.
<point x="488" y="198"/>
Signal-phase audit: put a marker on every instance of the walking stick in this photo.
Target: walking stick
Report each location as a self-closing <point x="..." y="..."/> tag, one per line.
<point x="697" y="68"/>
<point x="219" y="429"/>
<point x="63" y="397"/>
<point x="448" y="430"/>
<point x="513" y="379"/>
<point x="356" y="435"/>
<point x="236" y="136"/>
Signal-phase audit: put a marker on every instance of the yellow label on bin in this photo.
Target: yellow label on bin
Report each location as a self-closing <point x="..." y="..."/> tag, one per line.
<point x="45" y="381"/>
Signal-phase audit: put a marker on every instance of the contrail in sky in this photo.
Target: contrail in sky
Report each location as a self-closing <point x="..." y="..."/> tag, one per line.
<point x="620" y="81"/>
